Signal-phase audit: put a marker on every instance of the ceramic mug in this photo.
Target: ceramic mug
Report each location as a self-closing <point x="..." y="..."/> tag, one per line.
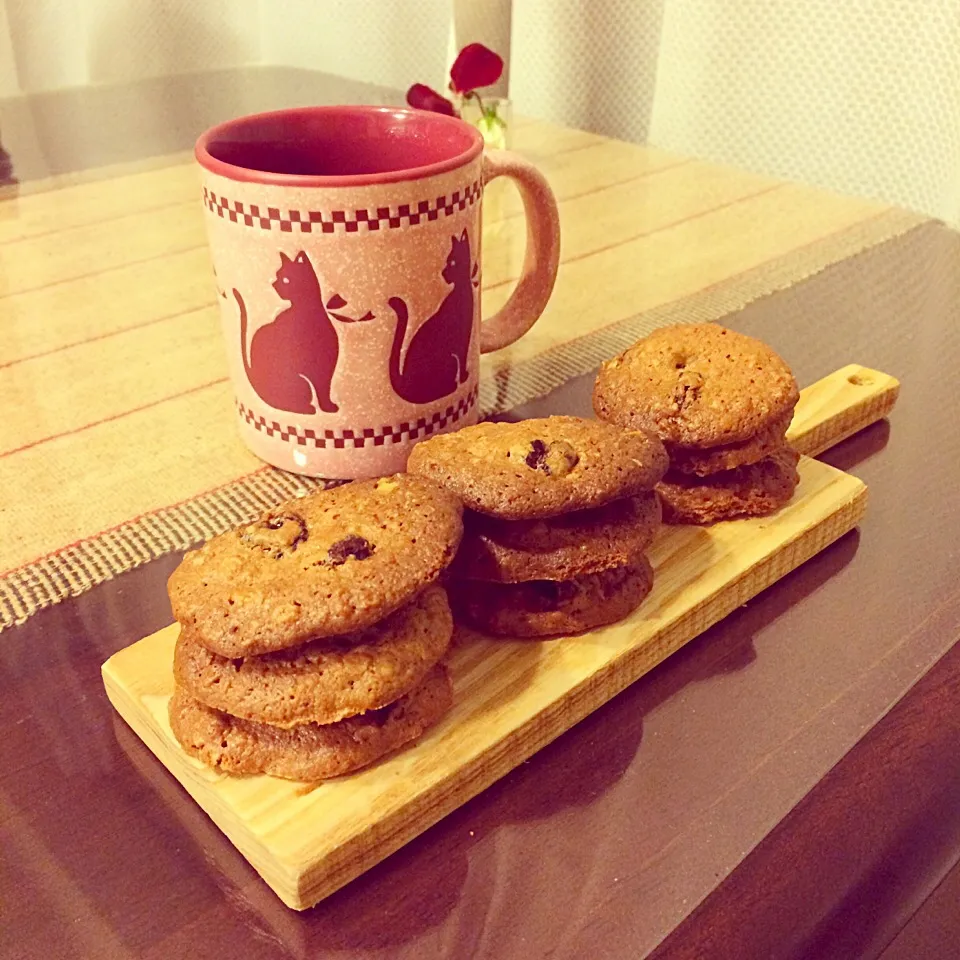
<point x="346" y="246"/>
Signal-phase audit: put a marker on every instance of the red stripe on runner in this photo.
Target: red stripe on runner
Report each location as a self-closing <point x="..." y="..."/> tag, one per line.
<point x="116" y="416"/>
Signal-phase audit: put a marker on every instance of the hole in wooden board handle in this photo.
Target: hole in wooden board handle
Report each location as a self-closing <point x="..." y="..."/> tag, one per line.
<point x="828" y="412"/>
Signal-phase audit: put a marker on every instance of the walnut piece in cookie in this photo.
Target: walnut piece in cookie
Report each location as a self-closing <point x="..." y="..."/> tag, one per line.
<point x="276" y="534"/>
<point x="687" y="390"/>
<point x="541" y="468"/>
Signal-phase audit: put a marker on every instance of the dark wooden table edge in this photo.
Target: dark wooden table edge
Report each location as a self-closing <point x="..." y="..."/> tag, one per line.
<point x="873" y="806"/>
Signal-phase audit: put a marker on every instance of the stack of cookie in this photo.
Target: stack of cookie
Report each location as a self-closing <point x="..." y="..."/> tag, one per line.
<point x="312" y="640"/>
<point x="560" y="513"/>
<point x="721" y="402"/>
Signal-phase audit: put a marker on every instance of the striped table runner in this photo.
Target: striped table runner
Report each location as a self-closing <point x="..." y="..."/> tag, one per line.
<point x="117" y="441"/>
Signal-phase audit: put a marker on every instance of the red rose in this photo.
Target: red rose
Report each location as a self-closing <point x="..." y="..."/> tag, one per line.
<point x="421" y="97"/>
<point x="475" y="66"/>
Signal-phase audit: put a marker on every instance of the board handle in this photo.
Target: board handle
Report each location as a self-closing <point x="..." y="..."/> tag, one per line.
<point x="840" y="405"/>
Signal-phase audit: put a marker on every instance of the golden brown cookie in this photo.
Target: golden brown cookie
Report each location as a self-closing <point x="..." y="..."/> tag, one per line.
<point x="546" y="608"/>
<point x="707" y="460"/>
<point x="587" y="541"/>
<point x="310" y="751"/>
<point x="542" y="468"/>
<point x="330" y="563"/>
<point x="326" y="680"/>
<point x="751" y="491"/>
<point x="696" y="385"/>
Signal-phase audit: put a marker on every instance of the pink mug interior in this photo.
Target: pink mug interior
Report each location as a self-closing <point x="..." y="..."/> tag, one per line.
<point x="337" y="146"/>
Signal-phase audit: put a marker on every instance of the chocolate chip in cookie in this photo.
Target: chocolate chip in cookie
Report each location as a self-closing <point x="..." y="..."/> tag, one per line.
<point x="554" y="459"/>
<point x="359" y="548"/>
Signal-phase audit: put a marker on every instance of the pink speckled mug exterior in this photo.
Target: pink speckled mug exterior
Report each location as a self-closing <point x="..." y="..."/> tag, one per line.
<point x="346" y="246"/>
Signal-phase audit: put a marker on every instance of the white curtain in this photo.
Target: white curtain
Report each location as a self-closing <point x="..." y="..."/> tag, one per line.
<point x="50" y="44"/>
<point x="858" y="96"/>
<point x="68" y="43"/>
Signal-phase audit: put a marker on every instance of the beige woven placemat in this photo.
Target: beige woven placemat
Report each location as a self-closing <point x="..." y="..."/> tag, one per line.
<point x="76" y="567"/>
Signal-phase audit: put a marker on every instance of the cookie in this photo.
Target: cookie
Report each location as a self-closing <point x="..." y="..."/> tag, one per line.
<point x="704" y="461"/>
<point x="545" y="608"/>
<point x="325" y="680"/>
<point x="333" y="562"/>
<point x="542" y="468"/>
<point x="696" y="385"/>
<point x="310" y="751"/>
<point x="587" y="541"/>
<point x="751" y="491"/>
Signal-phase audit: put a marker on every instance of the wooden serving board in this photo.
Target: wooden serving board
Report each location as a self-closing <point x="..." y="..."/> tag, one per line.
<point x="511" y="697"/>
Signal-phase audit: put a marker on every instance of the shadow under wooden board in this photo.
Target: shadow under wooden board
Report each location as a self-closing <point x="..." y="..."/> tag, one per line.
<point x="511" y="697"/>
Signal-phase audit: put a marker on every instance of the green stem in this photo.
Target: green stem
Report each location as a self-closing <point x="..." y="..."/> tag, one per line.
<point x="473" y="95"/>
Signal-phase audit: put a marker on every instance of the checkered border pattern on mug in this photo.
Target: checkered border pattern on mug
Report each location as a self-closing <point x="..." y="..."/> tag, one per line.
<point x="348" y="221"/>
<point x="363" y="437"/>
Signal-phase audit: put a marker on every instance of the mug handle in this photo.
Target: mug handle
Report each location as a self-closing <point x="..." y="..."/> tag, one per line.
<point x="542" y="255"/>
